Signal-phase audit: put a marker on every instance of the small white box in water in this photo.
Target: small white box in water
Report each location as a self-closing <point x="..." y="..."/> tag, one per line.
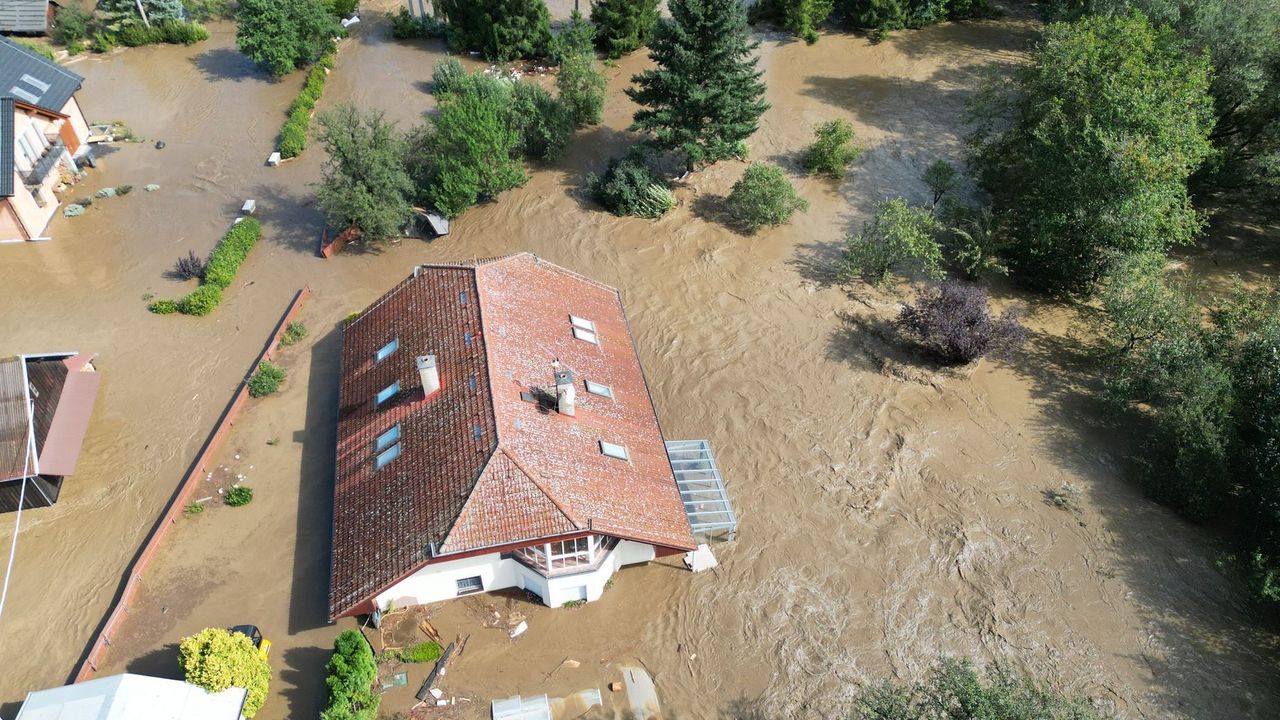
<point x="273" y="159"/>
<point x="249" y="206"/>
<point x="700" y="559"/>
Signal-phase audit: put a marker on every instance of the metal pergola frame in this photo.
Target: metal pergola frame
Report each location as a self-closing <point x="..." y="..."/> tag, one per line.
<point x="706" y="502"/>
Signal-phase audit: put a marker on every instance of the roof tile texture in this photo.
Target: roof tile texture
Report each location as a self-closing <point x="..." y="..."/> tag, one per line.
<point x="531" y="473"/>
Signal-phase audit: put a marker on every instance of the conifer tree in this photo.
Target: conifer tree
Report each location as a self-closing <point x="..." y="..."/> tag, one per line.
<point x="500" y="30"/>
<point x="623" y="25"/>
<point x="704" y="97"/>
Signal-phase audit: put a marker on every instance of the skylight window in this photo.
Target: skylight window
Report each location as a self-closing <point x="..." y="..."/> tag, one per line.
<point x="584" y="329"/>
<point x="387" y="439"/>
<point x="477" y="432"/>
<point x="386" y="456"/>
<point x="614" y="451"/>
<point x="597" y="389"/>
<point x="387" y="349"/>
<point x="387" y="393"/>
<point x="462" y="298"/>
<point x="471" y="383"/>
<point x="466" y="337"/>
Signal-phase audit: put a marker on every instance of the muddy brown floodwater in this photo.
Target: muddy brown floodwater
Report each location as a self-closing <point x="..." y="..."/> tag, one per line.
<point x="889" y="512"/>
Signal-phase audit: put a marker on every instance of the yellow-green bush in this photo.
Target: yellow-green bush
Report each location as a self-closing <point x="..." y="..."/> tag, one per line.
<point x="232" y="249"/>
<point x="216" y="659"/>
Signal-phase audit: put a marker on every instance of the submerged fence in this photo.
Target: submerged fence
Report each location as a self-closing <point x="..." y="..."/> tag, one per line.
<point x="97" y="649"/>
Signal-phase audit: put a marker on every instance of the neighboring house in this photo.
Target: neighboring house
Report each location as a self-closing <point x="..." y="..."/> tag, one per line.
<point x="27" y="17"/>
<point x="133" y="697"/>
<point x="45" y="404"/>
<point x="43" y="135"/>
<point x="495" y="431"/>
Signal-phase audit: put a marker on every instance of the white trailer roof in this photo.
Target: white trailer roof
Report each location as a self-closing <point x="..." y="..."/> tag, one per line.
<point x="132" y="697"/>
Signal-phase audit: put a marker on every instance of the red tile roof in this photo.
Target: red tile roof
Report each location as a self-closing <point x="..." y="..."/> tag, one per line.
<point x="480" y="466"/>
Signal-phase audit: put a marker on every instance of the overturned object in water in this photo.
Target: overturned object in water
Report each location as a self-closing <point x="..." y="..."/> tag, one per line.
<point x="159" y="144"/>
<point x="700" y="559"/>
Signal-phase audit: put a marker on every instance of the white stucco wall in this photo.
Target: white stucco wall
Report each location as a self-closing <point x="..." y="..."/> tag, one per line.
<point x="439" y="581"/>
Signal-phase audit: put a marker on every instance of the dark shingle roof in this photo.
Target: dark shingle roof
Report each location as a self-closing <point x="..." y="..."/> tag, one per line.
<point x="24" y="16"/>
<point x="35" y="80"/>
<point x="479" y="465"/>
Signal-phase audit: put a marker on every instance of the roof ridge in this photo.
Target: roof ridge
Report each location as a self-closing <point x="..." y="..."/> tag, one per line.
<point x="538" y="484"/>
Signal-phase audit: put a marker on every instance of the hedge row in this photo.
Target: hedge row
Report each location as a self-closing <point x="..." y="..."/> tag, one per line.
<point x="293" y="136"/>
<point x="173" y="32"/>
<point x="224" y="261"/>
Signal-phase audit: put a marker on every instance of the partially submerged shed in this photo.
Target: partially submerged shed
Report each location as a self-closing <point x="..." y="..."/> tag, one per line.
<point x="28" y="17"/>
<point x="45" y="404"/>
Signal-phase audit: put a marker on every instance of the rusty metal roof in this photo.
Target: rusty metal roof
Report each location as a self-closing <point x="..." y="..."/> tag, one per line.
<point x="487" y="461"/>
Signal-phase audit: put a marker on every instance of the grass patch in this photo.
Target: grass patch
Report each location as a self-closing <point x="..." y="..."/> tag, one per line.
<point x="421" y="653"/>
<point x="194" y="508"/>
<point x="574" y="604"/>
<point x="266" y="380"/>
<point x="239" y="495"/>
<point x="293" y="334"/>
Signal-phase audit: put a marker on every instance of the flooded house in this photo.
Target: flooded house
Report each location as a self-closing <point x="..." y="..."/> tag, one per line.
<point x="45" y="404"/>
<point x="43" y="137"/>
<point x="129" y="696"/>
<point x="496" y="431"/>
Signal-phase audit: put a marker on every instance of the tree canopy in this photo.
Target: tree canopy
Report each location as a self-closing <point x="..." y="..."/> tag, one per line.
<point x="216" y="659"/>
<point x="352" y="670"/>
<point x="500" y="30"/>
<point x="705" y="95"/>
<point x="1104" y="128"/>
<point x="283" y="35"/>
<point x="623" y="26"/>
<point x="365" y="183"/>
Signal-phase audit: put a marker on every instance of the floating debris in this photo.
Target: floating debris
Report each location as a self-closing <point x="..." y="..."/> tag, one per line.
<point x="106" y="192"/>
<point x="151" y="187"/>
<point x="73" y="210"/>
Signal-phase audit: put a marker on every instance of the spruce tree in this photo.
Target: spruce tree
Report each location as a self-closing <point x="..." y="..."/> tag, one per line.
<point x="623" y="25"/>
<point x="705" y="95"/>
<point x="500" y="30"/>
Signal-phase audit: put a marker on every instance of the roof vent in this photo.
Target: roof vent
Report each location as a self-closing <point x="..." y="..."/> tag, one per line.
<point x="564" y="389"/>
<point x="429" y="373"/>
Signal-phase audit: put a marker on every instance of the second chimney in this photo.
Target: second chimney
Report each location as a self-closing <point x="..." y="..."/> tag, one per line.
<point x="564" y="390"/>
<point x="429" y="373"/>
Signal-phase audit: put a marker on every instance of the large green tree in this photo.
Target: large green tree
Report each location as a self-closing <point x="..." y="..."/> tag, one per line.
<point x="283" y="35"/>
<point x="500" y="30"/>
<point x="705" y="95"/>
<point x="1087" y="153"/>
<point x="799" y="16"/>
<point x="582" y="88"/>
<point x="1242" y="38"/>
<point x="365" y="182"/>
<point x="476" y="145"/>
<point x="623" y="26"/>
<point x="216" y="659"/>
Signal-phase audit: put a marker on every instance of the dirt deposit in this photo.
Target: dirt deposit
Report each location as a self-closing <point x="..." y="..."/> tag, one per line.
<point x="889" y="512"/>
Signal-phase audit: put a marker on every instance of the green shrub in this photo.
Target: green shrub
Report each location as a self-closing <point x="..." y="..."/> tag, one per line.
<point x="124" y="189"/>
<point x="626" y="188"/>
<point x="194" y="508"/>
<point x="201" y="301"/>
<point x="763" y="197"/>
<point x="352" y="672"/>
<point x="344" y="8"/>
<point x="832" y="149"/>
<point x="215" y="660"/>
<point x="404" y="26"/>
<point x="231" y="251"/>
<point x="582" y="88"/>
<point x="239" y="495"/>
<point x="71" y="25"/>
<point x="899" y="237"/>
<point x="103" y="42"/>
<point x="447" y="77"/>
<point x="163" y="307"/>
<point x="137" y="35"/>
<point x="266" y="379"/>
<point x="293" y="135"/>
<point x="293" y="333"/>
<point x="176" y="32"/>
<point x="206" y="10"/>
<point x="545" y="124"/>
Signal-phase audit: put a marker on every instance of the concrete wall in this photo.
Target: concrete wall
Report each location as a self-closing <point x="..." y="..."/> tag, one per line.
<point x="439" y="581"/>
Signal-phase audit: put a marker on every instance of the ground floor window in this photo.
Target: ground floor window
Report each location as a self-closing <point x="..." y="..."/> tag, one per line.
<point x="469" y="585"/>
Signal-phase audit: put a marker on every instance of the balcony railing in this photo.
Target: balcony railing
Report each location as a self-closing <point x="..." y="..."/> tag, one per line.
<point x="47" y="162"/>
